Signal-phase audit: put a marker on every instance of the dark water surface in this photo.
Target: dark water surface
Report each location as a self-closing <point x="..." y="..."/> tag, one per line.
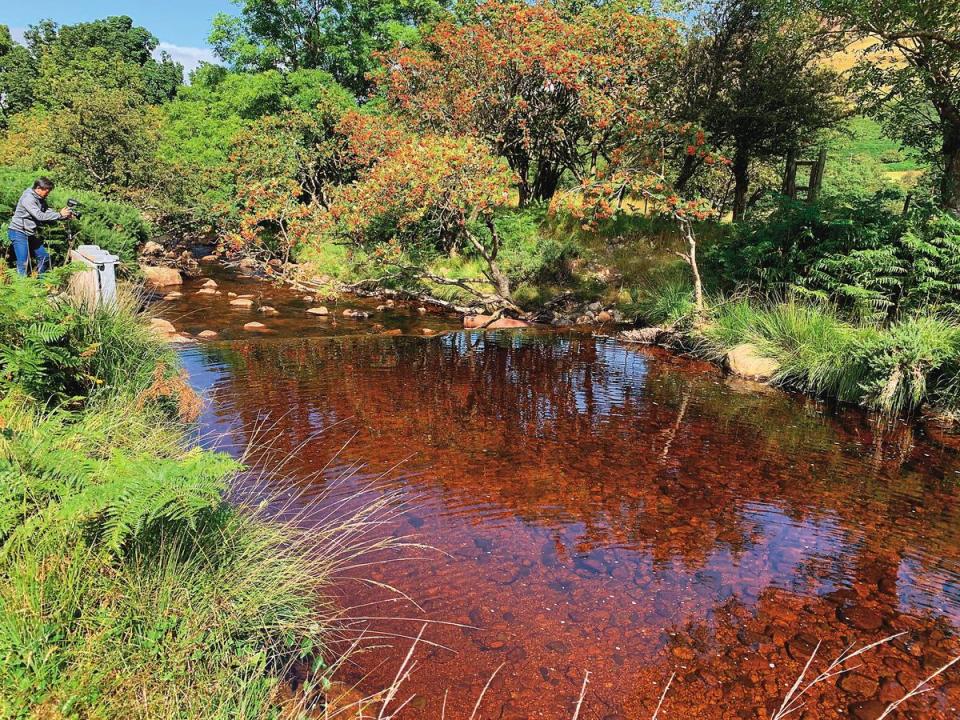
<point x="606" y="508"/>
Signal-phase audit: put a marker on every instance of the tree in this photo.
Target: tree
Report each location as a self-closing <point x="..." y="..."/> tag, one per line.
<point x="339" y="36"/>
<point x="18" y="73"/>
<point x="549" y="91"/>
<point x="109" y="51"/>
<point x="909" y="75"/>
<point x="427" y="193"/>
<point x="754" y="80"/>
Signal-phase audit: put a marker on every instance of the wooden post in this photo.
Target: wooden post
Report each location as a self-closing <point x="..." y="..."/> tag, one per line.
<point x="816" y="176"/>
<point x="790" y="175"/>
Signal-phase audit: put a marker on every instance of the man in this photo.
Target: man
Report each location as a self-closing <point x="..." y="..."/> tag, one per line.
<point x="31" y="212"/>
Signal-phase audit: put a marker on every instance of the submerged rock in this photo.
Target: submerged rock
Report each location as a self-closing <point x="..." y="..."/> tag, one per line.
<point x="745" y="360"/>
<point x="358" y="314"/>
<point x="322" y="310"/>
<point x="175" y="295"/>
<point x="208" y="334"/>
<point x="242" y="302"/>
<point x="254" y="326"/>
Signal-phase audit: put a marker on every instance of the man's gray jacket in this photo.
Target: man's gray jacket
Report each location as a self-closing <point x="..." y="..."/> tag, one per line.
<point x="31" y="211"/>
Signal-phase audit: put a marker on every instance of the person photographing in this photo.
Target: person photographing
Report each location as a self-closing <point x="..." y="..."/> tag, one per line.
<point x="31" y="213"/>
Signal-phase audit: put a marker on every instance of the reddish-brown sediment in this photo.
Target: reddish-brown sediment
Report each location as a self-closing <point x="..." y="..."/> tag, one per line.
<point x="603" y="508"/>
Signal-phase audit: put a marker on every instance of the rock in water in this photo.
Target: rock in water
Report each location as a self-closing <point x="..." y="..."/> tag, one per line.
<point x="209" y="284"/>
<point x="157" y="276"/>
<point x="242" y="302"/>
<point x="357" y="314"/>
<point x="161" y="326"/>
<point x="254" y="326"/>
<point x="175" y="295"/>
<point x="646" y="336"/>
<point x="745" y="360"/>
<point x="472" y="322"/>
<point x="206" y="291"/>
<point x="318" y="310"/>
<point x="208" y="334"/>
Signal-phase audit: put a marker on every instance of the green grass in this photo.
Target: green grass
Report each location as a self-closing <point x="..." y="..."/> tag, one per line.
<point x="867" y="141"/>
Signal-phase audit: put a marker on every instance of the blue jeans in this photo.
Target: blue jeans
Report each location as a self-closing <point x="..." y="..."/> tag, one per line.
<point x="22" y="245"/>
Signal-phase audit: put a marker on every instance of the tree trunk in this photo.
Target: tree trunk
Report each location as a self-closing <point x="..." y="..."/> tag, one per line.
<point x="950" y="182"/>
<point x="546" y="181"/>
<point x="689" y="167"/>
<point x="741" y="184"/>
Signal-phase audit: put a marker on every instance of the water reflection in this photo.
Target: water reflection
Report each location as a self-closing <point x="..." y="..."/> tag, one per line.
<point x="622" y="510"/>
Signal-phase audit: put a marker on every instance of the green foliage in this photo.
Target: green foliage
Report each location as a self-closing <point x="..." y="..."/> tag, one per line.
<point x="110" y="53"/>
<point x="18" y="74"/>
<point x="341" y="37"/>
<point x="874" y="262"/>
<point x="57" y="353"/>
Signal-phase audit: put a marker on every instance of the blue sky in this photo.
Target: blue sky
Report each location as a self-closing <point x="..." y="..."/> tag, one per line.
<point x="181" y="25"/>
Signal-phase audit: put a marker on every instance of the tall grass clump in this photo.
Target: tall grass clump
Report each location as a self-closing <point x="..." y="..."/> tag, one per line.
<point x="140" y="576"/>
<point x="896" y="368"/>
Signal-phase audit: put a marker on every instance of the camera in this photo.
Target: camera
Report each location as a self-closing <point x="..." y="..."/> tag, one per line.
<point x="74" y="206"/>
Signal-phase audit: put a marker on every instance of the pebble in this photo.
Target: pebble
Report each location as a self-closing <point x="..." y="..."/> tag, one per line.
<point x="860" y="617"/>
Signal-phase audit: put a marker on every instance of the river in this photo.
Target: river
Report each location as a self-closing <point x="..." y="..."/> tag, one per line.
<point x="598" y="507"/>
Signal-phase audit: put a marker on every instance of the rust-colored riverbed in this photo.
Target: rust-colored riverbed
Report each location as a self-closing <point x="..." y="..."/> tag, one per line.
<point x="603" y="508"/>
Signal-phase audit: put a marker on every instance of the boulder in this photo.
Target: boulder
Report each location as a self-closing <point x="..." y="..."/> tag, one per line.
<point x="471" y="322"/>
<point x="209" y="284"/>
<point x="254" y="326"/>
<point x="745" y="360"/>
<point x="318" y="311"/>
<point x="161" y="326"/>
<point x="151" y="248"/>
<point x="242" y="302"/>
<point x="157" y="276"/>
<point x="208" y="334"/>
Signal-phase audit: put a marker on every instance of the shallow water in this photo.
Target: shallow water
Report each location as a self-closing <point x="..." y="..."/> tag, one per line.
<point x="603" y="508"/>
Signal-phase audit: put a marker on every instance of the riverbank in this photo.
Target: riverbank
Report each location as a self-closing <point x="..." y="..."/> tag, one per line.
<point x="142" y="576"/>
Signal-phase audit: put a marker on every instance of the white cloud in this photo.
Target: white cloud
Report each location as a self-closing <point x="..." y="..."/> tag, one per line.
<point x="189" y="57"/>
